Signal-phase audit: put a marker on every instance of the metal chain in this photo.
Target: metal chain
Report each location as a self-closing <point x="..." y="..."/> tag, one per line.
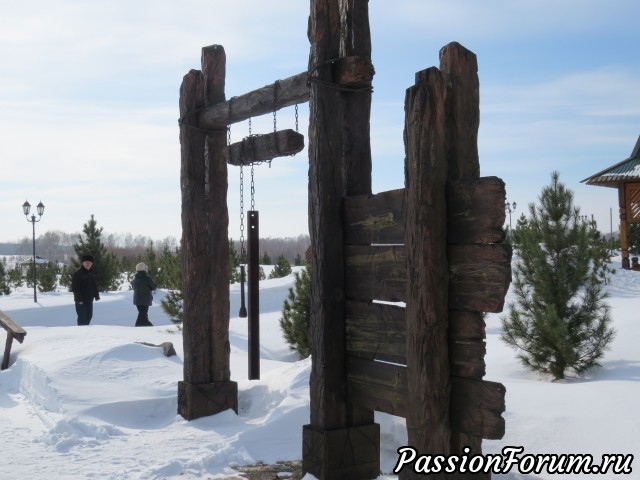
<point x="253" y="191"/>
<point x="275" y="102"/>
<point x="296" y="117"/>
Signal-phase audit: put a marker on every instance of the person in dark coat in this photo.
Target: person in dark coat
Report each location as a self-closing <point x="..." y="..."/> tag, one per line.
<point x="143" y="286"/>
<point x="85" y="290"/>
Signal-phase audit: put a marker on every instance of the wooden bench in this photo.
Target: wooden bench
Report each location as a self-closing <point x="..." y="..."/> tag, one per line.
<point x="13" y="331"/>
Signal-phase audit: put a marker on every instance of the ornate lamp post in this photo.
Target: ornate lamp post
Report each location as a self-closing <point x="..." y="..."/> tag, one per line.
<point x="510" y="207"/>
<point x="26" y="207"/>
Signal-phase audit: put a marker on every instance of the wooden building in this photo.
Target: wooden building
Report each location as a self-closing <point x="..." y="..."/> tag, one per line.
<point x="625" y="176"/>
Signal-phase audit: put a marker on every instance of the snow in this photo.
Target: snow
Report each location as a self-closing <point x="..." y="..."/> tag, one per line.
<point x="93" y="402"/>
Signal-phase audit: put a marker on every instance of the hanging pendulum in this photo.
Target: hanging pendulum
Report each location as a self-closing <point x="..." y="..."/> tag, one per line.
<point x="243" y="309"/>
<point x="253" y="262"/>
<point x="254" y="298"/>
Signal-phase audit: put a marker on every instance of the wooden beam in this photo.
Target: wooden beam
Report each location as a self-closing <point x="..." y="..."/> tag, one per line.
<point x="375" y="218"/>
<point x="261" y="148"/>
<point x="476" y="407"/>
<point x="375" y="273"/>
<point x="285" y="92"/>
<point x="376" y="331"/>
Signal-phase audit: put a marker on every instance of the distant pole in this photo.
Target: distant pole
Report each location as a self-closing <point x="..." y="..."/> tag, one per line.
<point x="510" y="207"/>
<point x="611" y="229"/>
<point x="26" y="208"/>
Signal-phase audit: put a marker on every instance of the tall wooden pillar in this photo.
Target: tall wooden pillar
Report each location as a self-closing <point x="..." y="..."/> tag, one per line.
<point x="341" y="441"/>
<point x="206" y="388"/>
<point x="428" y="425"/>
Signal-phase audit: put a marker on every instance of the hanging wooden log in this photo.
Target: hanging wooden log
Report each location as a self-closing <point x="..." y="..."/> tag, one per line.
<point x="260" y="148"/>
<point x="290" y="91"/>
<point x="253" y="262"/>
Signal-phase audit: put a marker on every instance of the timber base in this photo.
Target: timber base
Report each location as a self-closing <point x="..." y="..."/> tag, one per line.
<point x="344" y="454"/>
<point x="204" y="399"/>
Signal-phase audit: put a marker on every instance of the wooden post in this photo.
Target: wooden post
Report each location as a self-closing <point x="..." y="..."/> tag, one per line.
<point x="341" y="442"/>
<point x="428" y="426"/>
<point x="206" y="388"/>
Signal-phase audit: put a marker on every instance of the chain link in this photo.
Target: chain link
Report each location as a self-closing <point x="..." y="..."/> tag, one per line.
<point x="276" y="86"/>
<point x="296" y="117"/>
<point x="253" y="191"/>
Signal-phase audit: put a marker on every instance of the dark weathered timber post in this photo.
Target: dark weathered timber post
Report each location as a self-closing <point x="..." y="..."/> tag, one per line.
<point x="206" y="388"/>
<point x="428" y="426"/>
<point x="341" y="442"/>
<point x="460" y="69"/>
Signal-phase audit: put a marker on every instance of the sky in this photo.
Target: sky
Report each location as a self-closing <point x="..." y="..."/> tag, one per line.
<point x="91" y="402"/>
<point x="89" y="101"/>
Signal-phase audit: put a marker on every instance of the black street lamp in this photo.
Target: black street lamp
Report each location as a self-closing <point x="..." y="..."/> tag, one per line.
<point x="510" y="207"/>
<point x="26" y="207"/>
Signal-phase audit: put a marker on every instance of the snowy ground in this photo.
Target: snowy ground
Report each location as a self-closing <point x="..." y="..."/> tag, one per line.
<point x="92" y="403"/>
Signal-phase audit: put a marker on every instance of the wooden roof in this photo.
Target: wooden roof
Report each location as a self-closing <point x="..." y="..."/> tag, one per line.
<point x="625" y="171"/>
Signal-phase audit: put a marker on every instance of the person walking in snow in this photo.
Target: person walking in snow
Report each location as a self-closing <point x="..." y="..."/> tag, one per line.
<point x="85" y="290"/>
<point x="143" y="286"/>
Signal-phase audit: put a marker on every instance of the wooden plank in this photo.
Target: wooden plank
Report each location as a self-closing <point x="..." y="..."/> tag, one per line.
<point x="466" y="325"/>
<point x="476" y="407"/>
<point x="375" y="218"/>
<point x="467" y="358"/>
<point x="479" y="276"/>
<point x="13" y="331"/>
<point x="377" y="385"/>
<point x="11" y="326"/>
<point x="261" y="148"/>
<point x="475" y="211"/>
<point x="376" y="331"/>
<point x="290" y="91"/>
<point x="375" y="273"/>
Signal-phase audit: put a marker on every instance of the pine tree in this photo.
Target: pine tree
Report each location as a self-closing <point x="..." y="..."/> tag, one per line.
<point x="105" y="265"/>
<point x="296" y="314"/>
<point x="282" y="268"/>
<point x="5" y="283"/>
<point x="48" y="276"/>
<point x="265" y="259"/>
<point x="559" y="321"/>
<point x="171" y="278"/>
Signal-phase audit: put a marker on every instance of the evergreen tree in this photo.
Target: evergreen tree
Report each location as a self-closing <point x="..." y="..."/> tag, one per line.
<point x="48" y="276"/>
<point x="5" y="283"/>
<point x="105" y="265"/>
<point x="559" y="321"/>
<point x="633" y="238"/>
<point x="171" y="278"/>
<point x="296" y="314"/>
<point x="265" y="259"/>
<point x="234" y="263"/>
<point x="600" y="253"/>
<point x="282" y="268"/>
